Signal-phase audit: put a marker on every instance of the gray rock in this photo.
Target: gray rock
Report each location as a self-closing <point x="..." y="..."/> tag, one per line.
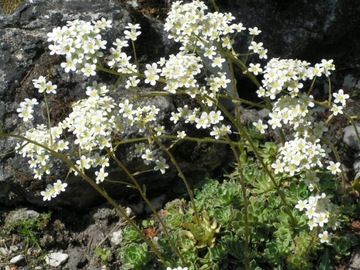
<point x="355" y="261"/>
<point x="350" y="137"/>
<point x="356" y="167"/>
<point x="77" y="258"/>
<point x="21" y="214"/>
<point x="293" y="28"/>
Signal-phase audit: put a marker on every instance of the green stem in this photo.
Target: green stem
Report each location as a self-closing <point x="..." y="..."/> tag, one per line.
<point x="243" y="189"/>
<point x="213" y="2"/>
<point x="338" y="159"/>
<point x="135" y="56"/>
<point x="171" y="137"/>
<point x="143" y="195"/>
<point x="48" y="116"/>
<point x="180" y="173"/>
<point x="240" y="64"/>
<point x="245" y="135"/>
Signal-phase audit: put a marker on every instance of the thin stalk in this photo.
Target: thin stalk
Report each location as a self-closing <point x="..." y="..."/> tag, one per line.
<point x="143" y="195"/>
<point x="240" y="64"/>
<point x="243" y="189"/>
<point x="213" y="2"/>
<point x="181" y="175"/>
<point x="48" y="116"/>
<point x="113" y="72"/>
<point x="102" y="192"/>
<point x="172" y="137"/>
<point x="338" y="159"/>
<point x="135" y="56"/>
<point x="243" y="133"/>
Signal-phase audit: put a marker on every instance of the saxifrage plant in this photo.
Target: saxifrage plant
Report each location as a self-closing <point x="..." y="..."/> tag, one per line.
<point x="286" y="178"/>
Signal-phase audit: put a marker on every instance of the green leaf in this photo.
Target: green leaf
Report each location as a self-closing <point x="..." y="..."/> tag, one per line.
<point x="325" y="263"/>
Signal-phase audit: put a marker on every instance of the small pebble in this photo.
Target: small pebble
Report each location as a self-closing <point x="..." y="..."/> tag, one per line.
<point x="17" y="259"/>
<point x="55" y="259"/>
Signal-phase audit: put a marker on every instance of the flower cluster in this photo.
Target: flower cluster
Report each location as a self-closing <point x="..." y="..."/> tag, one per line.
<point x="192" y="26"/>
<point x="119" y="60"/>
<point x="287" y="75"/>
<point x="209" y="35"/>
<point x="52" y="191"/>
<point x="80" y="42"/>
<point x="320" y="211"/>
<point x="298" y="155"/>
<point x="44" y="86"/>
<point x="92" y="123"/>
<point x="295" y="110"/>
<point x="26" y="107"/>
<point x="141" y="116"/>
<point x="202" y="120"/>
<point x="339" y="102"/>
<point x="292" y="111"/>
<point x="92" y="120"/>
<point x="40" y="160"/>
<point x="151" y="156"/>
<point x="179" y="71"/>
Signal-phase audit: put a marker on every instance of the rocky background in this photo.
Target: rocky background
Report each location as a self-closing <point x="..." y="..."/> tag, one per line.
<point x="303" y="29"/>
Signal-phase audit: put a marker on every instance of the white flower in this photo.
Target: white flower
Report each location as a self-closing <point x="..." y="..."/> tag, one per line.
<point x="255" y="69"/>
<point x="221" y="131"/>
<point x="151" y="73"/>
<point x="70" y="64"/>
<point x="321" y="219"/>
<point x="256" y="47"/>
<point x="301" y="204"/>
<point x="148" y="156"/>
<point x="161" y="165"/>
<point x="215" y="117"/>
<point x="325" y="237"/>
<point x="159" y="130"/>
<point x="336" y="109"/>
<point x="50" y="88"/>
<point x="89" y="70"/>
<point x="174" y="117"/>
<point x="334" y="168"/>
<point x="133" y="33"/>
<point x="60" y="186"/>
<point x="278" y="166"/>
<point x="47" y="195"/>
<point x="312" y="224"/>
<point x="25" y="113"/>
<point x="181" y="134"/>
<point x="217" y="62"/>
<point x="254" y="31"/>
<point x="260" y="126"/>
<point x="202" y="121"/>
<point x="101" y="175"/>
<point x="26" y="109"/>
<point x="340" y="97"/>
